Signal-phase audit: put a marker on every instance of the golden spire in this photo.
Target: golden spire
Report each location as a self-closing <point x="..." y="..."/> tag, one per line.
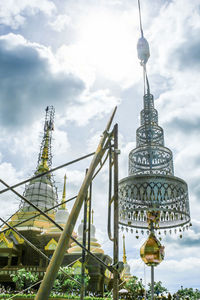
<point x="92" y="216"/>
<point x="45" y="155"/>
<point x="124" y="251"/>
<point x="63" y="206"/>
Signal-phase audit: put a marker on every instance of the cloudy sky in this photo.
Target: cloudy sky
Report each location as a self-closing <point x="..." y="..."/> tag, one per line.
<point x="80" y="56"/>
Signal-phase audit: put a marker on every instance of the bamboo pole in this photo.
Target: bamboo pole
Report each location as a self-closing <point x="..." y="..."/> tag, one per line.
<point x="116" y="217"/>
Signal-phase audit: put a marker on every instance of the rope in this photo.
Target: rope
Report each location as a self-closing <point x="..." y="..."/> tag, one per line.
<point x="25" y="290"/>
<point x="9" y="218"/>
<point x="145" y="77"/>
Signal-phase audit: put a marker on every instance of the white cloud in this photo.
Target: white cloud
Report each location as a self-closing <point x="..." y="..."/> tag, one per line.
<point x="94" y="104"/>
<point x="13" y="13"/>
<point x="9" y="201"/>
<point x="60" y="22"/>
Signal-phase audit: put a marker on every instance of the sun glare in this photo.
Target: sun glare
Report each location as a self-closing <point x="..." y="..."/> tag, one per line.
<point x="108" y="42"/>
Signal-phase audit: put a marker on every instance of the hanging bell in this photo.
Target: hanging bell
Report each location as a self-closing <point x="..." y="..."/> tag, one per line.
<point x="126" y="229"/>
<point x="181" y="236"/>
<point x="131" y="230"/>
<point x="137" y="237"/>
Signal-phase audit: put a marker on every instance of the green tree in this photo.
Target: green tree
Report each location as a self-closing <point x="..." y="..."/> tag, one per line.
<point x="68" y="282"/>
<point x="158" y="289"/>
<point x="188" y="293"/>
<point x="135" y="287"/>
<point x="23" y="279"/>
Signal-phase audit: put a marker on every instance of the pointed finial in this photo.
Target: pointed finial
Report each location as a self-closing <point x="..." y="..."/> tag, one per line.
<point x="45" y="156"/>
<point x="63" y="206"/>
<point x="124" y="250"/>
<point x="92" y="216"/>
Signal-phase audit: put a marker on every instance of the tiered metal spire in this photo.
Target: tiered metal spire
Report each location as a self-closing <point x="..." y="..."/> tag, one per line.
<point x="151" y="187"/>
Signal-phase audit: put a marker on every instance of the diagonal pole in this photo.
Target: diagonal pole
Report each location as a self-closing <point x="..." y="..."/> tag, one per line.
<point x="63" y="243"/>
<point x="116" y="217"/>
<point x="47" y="172"/>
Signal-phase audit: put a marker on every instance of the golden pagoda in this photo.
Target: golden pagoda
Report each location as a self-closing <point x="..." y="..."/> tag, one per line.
<point x="15" y="253"/>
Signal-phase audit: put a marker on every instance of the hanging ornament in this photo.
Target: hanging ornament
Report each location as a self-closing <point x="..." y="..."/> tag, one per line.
<point x="143" y="50"/>
<point x="152" y="252"/>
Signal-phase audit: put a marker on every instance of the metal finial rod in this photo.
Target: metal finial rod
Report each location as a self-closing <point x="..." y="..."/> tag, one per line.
<point x="140" y="18"/>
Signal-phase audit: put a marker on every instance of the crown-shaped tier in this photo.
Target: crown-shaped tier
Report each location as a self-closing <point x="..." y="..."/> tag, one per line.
<point x="150" y="156"/>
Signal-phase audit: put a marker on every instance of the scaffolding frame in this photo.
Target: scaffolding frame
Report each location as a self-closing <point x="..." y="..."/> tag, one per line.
<point x="63" y="243"/>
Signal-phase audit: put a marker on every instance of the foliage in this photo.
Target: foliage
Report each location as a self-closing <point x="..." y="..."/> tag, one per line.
<point x="69" y="282"/>
<point x="135" y="287"/>
<point x="158" y="289"/>
<point x="188" y="293"/>
<point x="23" y="279"/>
<point x="52" y="296"/>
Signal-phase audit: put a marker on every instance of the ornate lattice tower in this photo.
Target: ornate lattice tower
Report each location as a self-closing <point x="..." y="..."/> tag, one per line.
<point x="151" y="196"/>
<point x="151" y="184"/>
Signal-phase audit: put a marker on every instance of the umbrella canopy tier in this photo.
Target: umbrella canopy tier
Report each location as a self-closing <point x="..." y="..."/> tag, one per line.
<point x="151" y="160"/>
<point x="141" y="194"/>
